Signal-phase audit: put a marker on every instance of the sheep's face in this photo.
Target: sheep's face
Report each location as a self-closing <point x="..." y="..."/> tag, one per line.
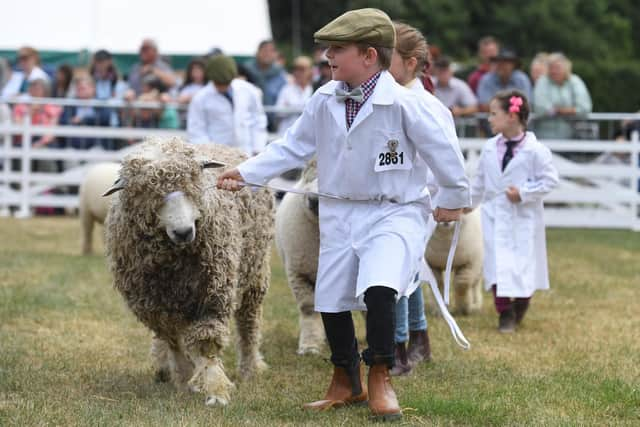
<point x="178" y="217"/>
<point x="163" y="187"/>
<point x="311" y="201"/>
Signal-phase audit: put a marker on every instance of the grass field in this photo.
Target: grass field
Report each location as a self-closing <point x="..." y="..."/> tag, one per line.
<point x="72" y="354"/>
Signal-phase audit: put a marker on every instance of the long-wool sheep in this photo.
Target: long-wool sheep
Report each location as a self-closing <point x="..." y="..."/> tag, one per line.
<point x="466" y="280"/>
<point x="94" y="207"/>
<point x="298" y="242"/>
<point x="186" y="256"/>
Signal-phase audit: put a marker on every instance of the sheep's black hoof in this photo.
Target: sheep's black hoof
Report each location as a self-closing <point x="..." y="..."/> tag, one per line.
<point x="162" y="376"/>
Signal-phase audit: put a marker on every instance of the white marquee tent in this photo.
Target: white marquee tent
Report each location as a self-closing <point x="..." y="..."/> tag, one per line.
<point x="183" y="27"/>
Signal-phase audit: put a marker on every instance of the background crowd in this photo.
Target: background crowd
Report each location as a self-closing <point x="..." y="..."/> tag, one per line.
<point x="557" y="93"/>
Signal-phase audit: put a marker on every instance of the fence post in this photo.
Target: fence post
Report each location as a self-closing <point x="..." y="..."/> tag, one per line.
<point x="635" y="179"/>
<point x="25" y="175"/>
<point x="5" y="211"/>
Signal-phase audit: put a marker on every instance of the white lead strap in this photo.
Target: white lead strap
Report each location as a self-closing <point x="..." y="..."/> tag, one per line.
<point x="426" y="275"/>
<point x="293" y="190"/>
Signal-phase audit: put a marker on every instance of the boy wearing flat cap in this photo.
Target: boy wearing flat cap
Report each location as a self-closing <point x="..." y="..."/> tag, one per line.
<point x="373" y="140"/>
<point x="228" y="110"/>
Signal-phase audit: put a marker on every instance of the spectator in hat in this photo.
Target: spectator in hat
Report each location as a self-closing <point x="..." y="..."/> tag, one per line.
<point x="453" y="92"/>
<point x="228" y="110"/>
<point x="487" y="48"/>
<point x="29" y="63"/>
<point x="506" y="76"/>
<point x="150" y="63"/>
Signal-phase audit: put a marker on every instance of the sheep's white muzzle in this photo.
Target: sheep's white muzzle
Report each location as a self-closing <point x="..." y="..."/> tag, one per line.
<point x="178" y="216"/>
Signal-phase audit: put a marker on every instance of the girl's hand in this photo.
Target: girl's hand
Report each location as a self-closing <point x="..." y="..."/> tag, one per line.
<point x="513" y="194"/>
<point x="230" y="180"/>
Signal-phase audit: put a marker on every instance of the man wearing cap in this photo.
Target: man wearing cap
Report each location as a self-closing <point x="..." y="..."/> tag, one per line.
<point x="453" y="92"/>
<point x="504" y="77"/>
<point x="227" y="110"/>
<point x="370" y="136"/>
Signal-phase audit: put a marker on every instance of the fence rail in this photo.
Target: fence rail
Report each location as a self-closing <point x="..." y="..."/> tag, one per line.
<point x="601" y="192"/>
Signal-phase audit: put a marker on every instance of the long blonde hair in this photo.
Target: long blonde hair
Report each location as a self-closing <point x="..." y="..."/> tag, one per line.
<point x="410" y="43"/>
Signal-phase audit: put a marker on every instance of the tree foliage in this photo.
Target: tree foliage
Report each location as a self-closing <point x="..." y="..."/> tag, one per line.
<point x="605" y="33"/>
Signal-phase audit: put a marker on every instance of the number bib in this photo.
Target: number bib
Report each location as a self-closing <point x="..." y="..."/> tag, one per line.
<point x="393" y="158"/>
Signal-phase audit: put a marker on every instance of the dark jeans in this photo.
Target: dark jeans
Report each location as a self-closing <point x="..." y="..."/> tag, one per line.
<point x="381" y="319"/>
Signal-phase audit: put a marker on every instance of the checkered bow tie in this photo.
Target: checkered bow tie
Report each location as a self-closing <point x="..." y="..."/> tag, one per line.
<point x="356" y="94"/>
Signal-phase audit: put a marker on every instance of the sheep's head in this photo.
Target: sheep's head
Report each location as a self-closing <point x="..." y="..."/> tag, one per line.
<point x="311" y="201"/>
<point x="162" y="186"/>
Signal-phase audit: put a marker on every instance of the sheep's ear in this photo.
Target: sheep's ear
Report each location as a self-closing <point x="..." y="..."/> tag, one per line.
<point x="117" y="186"/>
<point x="212" y="164"/>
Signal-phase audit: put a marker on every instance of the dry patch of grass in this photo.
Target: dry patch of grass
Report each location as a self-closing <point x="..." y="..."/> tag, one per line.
<point x="72" y="354"/>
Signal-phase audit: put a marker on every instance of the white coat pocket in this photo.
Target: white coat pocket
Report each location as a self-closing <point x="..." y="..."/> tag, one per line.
<point x="391" y="152"/>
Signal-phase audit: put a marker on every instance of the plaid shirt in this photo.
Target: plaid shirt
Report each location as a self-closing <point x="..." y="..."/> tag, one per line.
<point x="352" y="107"/>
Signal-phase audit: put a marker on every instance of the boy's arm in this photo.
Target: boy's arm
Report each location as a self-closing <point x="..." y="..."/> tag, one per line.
<point x="545" y="179"/>
<point x="293" y="150"/>
<point x="432" y="130"/>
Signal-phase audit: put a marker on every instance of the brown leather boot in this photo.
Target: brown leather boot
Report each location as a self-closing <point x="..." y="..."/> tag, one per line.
<point x="419" y="347"/>
<point x="345" y="389"/>
<point x="401" y="366"/>
<point x="383" y="402"/>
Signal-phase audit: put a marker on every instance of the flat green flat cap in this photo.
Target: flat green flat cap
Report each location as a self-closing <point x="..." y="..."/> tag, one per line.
<point x="221" y="69"/>
<point x="370" y="26"/>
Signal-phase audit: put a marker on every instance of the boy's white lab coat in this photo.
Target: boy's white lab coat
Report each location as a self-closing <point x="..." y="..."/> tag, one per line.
<point x="352" y="164"/>
<point x="212" y="119"/>
<point x="515" y="255"/>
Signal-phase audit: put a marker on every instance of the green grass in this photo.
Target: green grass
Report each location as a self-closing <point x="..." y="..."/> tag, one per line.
<point x="72" y="354"/>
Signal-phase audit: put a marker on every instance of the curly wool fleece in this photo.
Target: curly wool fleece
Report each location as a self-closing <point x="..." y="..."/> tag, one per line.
<point x="186" y="293"/>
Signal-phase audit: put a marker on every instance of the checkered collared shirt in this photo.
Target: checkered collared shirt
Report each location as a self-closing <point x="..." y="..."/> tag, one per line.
<point x="352" y="107"/>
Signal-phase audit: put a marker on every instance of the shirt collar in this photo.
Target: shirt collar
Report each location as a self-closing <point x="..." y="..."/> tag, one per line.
<point x="367" y="86"/>
<point x="519" y="138"/>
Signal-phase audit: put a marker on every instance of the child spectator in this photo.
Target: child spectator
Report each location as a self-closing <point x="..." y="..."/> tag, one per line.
<point x="195" y="79"/>
<point x="40" y="114"/>
<point x="84" y="89"/>
<point x="514" y="173"/>
<point x="296" y="93"/>
<point x="374" y="142"/>
<point x="62" y="82"/>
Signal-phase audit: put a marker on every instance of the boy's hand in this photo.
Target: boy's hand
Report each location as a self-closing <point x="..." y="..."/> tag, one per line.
<point x="513" y="195"/>
<point x="230" y="180"/>
<point x="446" y="215"/>
<point x="467" y="210"/>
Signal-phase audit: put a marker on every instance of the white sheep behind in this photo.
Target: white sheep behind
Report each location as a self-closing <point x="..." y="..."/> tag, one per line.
<point x="94" y="207"/>
<point x="298" y="243"/>
<point x="466" y="280"/>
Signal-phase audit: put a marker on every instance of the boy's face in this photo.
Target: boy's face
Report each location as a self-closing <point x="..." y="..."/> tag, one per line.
<point x="348" y="64"/>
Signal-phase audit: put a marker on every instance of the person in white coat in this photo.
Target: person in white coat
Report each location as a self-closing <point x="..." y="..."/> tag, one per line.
<point x="515" y="172"/>
<point x="409" y="58"/>
<point x="374" y="141"/>
<point x="227" y="110"/>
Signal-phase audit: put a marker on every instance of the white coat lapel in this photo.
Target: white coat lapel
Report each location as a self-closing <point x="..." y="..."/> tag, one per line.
<point x="336" y="108"/>
<point x="492" y="159"/>
<point x="382" y="95"/>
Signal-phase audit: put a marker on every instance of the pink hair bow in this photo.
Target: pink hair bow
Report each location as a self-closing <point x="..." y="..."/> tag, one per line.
<point x="515" y="102"/>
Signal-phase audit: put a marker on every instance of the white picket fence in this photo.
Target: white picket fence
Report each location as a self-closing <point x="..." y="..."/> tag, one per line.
<point x="592" y="194"/>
